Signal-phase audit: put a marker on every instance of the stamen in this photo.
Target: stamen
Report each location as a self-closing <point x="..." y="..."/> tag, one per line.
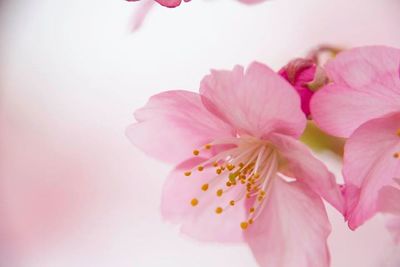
<point x="218" y="210"/>
<point x="194" y="202"/>
<point x="244" y="225"/>
<point x="232" y="202"/>
<point x="396" y="155"/>
<point x="196" y="152"/>
<point x="204" y="187"/>
<point x="188" y="173"/>
<point x="200" y="168"/>
<point x="208" y="146"/>
<point x="220" y="192"/>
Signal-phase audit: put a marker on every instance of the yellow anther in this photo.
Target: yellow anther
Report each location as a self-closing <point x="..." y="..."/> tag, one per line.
<point x="260" y="198"/>
<point x="396" y="155"/>
<point x="194" y="202"/>
<point x="252" y="210"/>
<point x="232" y="176"/>
<point x="188" y="173"/>
<point x="215" y="164"/>
<point x="251" y="221"/>
<point x="204" y="187"/>
<point x="230" y="167"/>
<point x="218" y="210"/>
<point x="244" y="225"/>
<point x="241" y="164"/>
<point x="398" y="132"/>
<point x="243" y="181"/>
<point x="220" y="192"/>
<point x="262" y="193"/>
<point x="256" y="175"/>
<point x="208" y="146"/>
<point x="232" y="202"/>
<point x="218" y="171"/>
<point x="248" y="195"/>
<point x="196" y="152"/>
<point x="200" y="168"/>
<point x="228" y="184"/>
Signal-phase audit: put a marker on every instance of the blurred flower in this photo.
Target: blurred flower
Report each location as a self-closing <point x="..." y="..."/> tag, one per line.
<point x="363" y="103"/>
<point x="240" y="165"/>
<point x="146" y="5"/>
<point x="175" y="3"/>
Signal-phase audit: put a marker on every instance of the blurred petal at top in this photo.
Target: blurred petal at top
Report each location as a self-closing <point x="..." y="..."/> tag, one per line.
<point x="73" y="191"/>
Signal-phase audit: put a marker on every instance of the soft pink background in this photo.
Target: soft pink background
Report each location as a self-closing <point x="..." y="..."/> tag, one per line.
<point x="73" y="191"/>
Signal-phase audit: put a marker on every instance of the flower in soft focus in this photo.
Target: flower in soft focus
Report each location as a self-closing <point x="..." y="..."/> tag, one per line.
<point x="166" y="3"/>
<point x="363" y="104"/>
<point x="146" y="6"/>
<point x="241" y="173"/>
<point x="175" y="3"/>
<point x="306" y="77"/>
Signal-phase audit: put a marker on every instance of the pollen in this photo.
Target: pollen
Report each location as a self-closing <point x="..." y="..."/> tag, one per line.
<point x="220" y="192"/>
<point x="200" y="168"/>
<point x="188" y="173"/>
<point x="244" y="225"/>
<point x="194" y="202"/>
<point x="215" y="164"/>
<point x="252" y="210"/>
<point x="396" y="155"/>
<point x="218" y="171"/>
<point x="230" y="167"/>
<point x="208" y="146"/>
<point x="218" y="210"/>
<point x="251" y="221"/>
<point x="196" y="152"/>
<point x="232" y="202"/>
<point x="204" y="187"/>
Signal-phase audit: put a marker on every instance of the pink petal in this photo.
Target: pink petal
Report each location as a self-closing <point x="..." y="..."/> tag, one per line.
<point x="292" y="230"/>
<point x="389" y="200"/>
<point x="366" y="85"/>
<point x="369" y="165"/>
<point x="303" y="166"/>
<point x="200" y="222"/>
<point x="250" y="2"/>
<point x="141" y="14"/>
<point x="170" y="3"/>
<point x="174" y="123"/>
<point x="256" y="102"/>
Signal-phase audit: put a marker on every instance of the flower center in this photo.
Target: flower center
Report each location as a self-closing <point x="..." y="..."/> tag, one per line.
<point x="242" y="173"/>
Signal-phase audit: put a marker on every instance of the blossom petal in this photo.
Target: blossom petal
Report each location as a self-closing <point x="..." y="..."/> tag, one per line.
<point x="303" y="166"/>
<point x="369" y="165"/>
<point x="389" y="200"/>
<point x="366" y="85"/>
<point x="292" y="230"/>
<point x="173" y="124"/>
<point x="255" y="102"/>
<point x="201" y="222"/>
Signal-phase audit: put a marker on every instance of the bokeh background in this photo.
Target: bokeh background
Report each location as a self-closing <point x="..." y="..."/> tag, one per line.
<point x="73" y="191"/>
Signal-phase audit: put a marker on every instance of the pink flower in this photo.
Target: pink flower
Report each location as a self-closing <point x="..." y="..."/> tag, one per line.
<point x="363" y="103"/>
<point x="240" y="165"/>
